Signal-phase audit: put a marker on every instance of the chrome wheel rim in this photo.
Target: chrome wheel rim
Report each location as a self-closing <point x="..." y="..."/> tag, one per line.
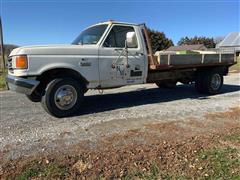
<point x="65" y="97"/>
<point x="216" y="81"/>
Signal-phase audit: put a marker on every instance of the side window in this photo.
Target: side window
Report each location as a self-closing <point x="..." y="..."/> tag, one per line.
<point x="117" y="36"/>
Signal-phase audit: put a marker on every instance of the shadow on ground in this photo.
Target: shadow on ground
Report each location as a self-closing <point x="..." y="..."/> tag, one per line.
<point x="142" y="96"/>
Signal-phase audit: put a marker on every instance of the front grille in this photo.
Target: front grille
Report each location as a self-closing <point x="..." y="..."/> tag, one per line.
<point x="9" y="65"/>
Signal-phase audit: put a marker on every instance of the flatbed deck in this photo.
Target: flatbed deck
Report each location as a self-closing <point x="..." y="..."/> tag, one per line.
<point x="182" y="61"/>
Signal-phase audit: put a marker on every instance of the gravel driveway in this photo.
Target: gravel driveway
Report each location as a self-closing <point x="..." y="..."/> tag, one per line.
<point x="27" y="129"/>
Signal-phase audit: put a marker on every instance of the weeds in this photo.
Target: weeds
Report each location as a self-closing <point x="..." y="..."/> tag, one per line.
<point x="36" y="169"/>
<point x="153" y="174"/>
<point x="32" y="170"/>
<point x="3" y="73"/>
<point x="236" y="67"/>
<point x="235" y="138"/>
<point x="220" y="163"/>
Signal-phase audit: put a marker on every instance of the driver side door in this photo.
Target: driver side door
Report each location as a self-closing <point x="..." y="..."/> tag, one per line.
<point x="116" y="66"/>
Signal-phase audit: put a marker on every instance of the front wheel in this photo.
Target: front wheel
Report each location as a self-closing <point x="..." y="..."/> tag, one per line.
<point x="63" y="97"/>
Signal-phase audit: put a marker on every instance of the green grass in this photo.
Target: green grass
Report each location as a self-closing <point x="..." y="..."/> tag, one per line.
<point x="153" y="174"/>
<point x="233" y="138"/>
<point x="36" y="169"/>
<point x="216" y="163"/>
<point x="53" y="170"/>
<point x="236" y="67"/>
<point x="32" y="170"/>
<point x="3" y="73"/>
<point x="220" y="163"/>
<point x="213" y="163"/>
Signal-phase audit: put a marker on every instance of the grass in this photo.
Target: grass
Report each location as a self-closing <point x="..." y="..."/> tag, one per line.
<point x="3" y="73"/>
<point x="236" y="67"/>
<point x="31" y="171"/>
<point x="36" y="169"/>
<point x="215" y="163"/>
<point x="220" y="163"/>
<point x="234" y="138"/>
<point x="152" y="175"/>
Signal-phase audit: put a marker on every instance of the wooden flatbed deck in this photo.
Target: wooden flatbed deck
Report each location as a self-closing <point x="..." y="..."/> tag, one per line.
<point x="181" y="61"/>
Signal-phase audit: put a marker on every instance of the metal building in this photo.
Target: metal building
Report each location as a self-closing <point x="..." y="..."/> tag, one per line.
<point x="231" y="43"/>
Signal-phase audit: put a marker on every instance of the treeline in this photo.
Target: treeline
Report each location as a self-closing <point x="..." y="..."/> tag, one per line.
<point x="208" y="42"/>
<point x="7" y="48"/>
<point x="160" y="41"/>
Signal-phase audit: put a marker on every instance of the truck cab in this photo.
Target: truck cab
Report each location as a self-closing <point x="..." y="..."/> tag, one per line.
<point x="98" y="54"/>
<point x="117" y="65"/>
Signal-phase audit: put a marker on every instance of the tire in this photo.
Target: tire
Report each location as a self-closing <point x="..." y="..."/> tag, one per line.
<point x="34" y="97"/>
<point x="63" y="97"/>
<point x="167" y="84"/>
<point x="209" y="82"/>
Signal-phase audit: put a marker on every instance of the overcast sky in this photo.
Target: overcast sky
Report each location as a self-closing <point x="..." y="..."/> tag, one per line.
<point x="59" y="22"/>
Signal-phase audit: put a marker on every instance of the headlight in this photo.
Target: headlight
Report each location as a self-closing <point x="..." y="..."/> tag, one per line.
<point x="21" y="62"/>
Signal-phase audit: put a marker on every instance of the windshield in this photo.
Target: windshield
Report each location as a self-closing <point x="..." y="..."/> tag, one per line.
<point x="90" y="35"/>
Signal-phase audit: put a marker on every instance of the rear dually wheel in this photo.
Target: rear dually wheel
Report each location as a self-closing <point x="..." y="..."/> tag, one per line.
<point x="209" y="83"/>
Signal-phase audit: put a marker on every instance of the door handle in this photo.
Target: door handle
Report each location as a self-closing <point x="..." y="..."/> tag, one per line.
<point x="140" y="54"/>
<point x="118" y="49"/>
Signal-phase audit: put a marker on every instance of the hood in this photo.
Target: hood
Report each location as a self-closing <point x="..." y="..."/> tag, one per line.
<point x="51" y="49"/>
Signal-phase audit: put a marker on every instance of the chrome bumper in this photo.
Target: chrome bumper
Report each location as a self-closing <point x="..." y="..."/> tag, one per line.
<point x="21" y="85"/>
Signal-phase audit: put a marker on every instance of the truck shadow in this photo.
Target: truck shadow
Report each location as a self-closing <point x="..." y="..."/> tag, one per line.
<point x="106" y="102"/>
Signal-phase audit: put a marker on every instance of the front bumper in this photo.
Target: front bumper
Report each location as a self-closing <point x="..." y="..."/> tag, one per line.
<point x="21" y="85"/>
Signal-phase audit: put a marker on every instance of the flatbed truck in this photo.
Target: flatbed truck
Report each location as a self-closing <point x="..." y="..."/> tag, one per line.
<point x="107" y="55"/>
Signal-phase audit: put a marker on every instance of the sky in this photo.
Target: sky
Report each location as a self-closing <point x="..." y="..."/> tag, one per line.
<point x="36" y="22"/>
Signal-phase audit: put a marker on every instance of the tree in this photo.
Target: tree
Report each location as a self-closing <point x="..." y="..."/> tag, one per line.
<point x="208" y="42"/>
<point x="159" y="41"/>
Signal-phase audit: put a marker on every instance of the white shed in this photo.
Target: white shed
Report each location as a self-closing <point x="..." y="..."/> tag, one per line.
<point x="231" y="43"/>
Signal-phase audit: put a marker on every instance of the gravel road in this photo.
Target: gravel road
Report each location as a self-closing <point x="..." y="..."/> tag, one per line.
<point x="27" y="129"/>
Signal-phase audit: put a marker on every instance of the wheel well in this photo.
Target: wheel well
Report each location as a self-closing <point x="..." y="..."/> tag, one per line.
<point x="49" y="75"/>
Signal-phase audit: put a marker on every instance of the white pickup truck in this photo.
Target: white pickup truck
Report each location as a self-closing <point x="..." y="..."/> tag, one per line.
<point x="106" y="55"/>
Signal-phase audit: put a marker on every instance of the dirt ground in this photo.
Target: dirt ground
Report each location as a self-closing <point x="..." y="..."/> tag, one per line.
<point x="189" y="149"/>
<point x="27" y="130"/>
<point x="134" y="132"/>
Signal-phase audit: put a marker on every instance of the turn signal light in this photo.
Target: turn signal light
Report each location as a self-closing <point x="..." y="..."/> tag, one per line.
<point x="21" y="62"/>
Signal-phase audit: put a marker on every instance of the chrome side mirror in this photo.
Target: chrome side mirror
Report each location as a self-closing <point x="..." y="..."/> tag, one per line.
<point x="131" y="40"/>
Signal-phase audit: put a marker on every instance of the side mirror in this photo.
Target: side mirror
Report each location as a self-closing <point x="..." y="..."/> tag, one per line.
<point x="131" y="40"/>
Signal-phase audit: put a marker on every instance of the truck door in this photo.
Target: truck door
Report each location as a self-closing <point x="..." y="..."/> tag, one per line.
<point x="117" y="67"/>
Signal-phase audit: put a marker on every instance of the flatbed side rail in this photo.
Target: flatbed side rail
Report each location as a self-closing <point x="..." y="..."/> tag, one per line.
<point x="168" y="61"/>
